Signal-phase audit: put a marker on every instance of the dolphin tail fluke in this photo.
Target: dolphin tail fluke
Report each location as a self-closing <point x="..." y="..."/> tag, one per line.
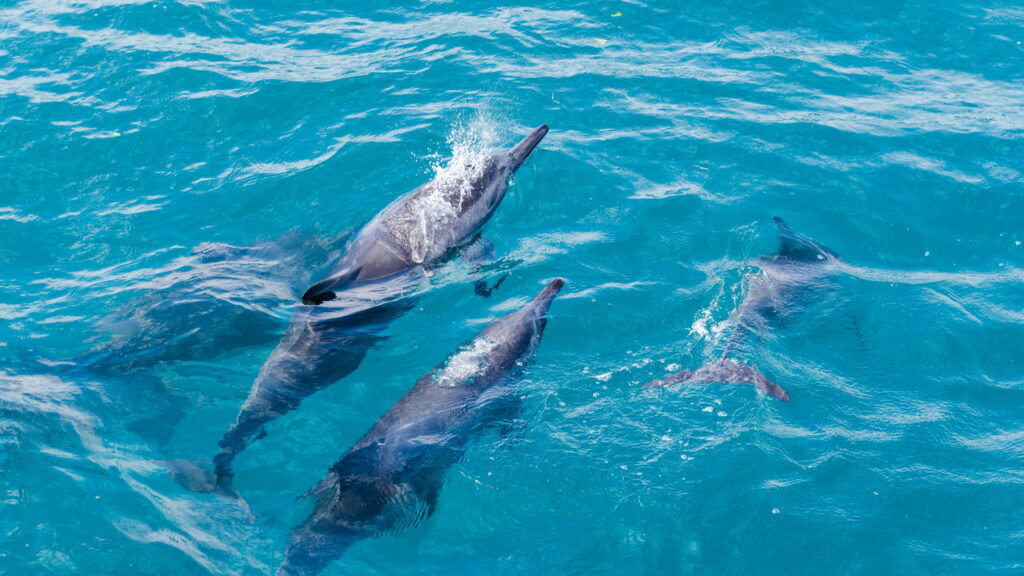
<point x="726" y="371"/>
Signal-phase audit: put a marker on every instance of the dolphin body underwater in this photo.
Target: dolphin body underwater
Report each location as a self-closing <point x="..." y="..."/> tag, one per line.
<point x="209" y="303"/>
<point x="391" y="478"/>
<point x="343" y="315"/>
<point x="799" y="264"/>
<point x="217" y="299"/>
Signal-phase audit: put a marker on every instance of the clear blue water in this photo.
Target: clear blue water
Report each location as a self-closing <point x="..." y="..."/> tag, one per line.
<point x="132" y="132"/>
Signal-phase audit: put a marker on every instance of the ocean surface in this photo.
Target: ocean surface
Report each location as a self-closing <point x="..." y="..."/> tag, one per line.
<point x="177" y="172"/>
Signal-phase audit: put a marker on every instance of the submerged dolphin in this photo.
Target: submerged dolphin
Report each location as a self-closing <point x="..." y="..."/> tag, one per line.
<point x="344" y="314"/>
<point x="392" y="476"/>
<point x="217" y="299"/>
<point x="202" y="305"/>
<point x="799" y="265"/>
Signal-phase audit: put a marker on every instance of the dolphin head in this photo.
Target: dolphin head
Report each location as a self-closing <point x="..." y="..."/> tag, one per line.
<point x="490" y="182"/>
<point x="538" y="307"/>
<point x="517" y="335"/>
<point x="520" y="152"/>
<point x="531" y="317"/>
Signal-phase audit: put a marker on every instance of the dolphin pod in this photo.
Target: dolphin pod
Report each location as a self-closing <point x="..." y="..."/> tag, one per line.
<point x="345" y="314"/>
<point x="392" y="477"/>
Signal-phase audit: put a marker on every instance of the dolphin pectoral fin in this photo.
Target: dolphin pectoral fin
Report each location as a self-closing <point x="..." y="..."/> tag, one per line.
<point x="319" y="293"/>
<point x="477" y="254"/>
<point x="324" y="290"/>
<point x="481" y="288"/>
<point x="430" y="504"/>
<point x="725" y="371"/>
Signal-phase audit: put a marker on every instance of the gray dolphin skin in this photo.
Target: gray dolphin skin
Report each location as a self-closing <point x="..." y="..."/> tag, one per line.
<point x="799" y="265"/>
<point x="423" y="227"/>
<point x="344" y="315"/>
<point x="391" y="478"/>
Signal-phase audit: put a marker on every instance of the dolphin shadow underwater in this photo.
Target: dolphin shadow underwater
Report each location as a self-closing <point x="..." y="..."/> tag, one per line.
<point x="342" y="316"/>
<point x="393" y="475"/>
<point x="798" y="266"/>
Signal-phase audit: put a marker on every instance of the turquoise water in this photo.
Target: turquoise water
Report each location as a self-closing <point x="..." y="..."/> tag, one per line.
<point x="133" y="132"/>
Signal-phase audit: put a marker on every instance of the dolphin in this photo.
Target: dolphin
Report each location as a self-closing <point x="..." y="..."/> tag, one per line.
<point x="202" y="305"/>
<point x="391" y="478"/>
<point x="798" y="266"/>
<point x="342" y="316"/>
<point x="217" y="299"/>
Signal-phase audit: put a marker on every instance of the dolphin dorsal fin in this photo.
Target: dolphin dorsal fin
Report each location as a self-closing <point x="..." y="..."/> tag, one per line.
<point x="795" y="246"/>
<point x="324" y="290"/>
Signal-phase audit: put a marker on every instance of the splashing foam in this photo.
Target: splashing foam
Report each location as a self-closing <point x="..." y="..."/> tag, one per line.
<point x="470" y="143"/>
<point x="434" y="208"/>
<point x="706" y="326"/>
<point x="467" y="363"/>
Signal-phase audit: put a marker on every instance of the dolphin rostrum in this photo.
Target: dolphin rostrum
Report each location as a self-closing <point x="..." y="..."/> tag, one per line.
<point x="799" y="264"/>
<point x="391" y="478"/>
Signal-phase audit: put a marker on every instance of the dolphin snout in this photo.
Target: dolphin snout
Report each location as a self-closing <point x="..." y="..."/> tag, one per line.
<point x="522" y="150"/>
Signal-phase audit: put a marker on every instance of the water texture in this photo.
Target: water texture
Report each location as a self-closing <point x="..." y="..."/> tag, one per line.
<point x="174" y="174"/>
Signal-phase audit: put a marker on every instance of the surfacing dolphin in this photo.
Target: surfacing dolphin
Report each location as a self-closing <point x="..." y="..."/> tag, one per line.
<point x="392" y="477"/>
<point x="799" y="266"/>
<point x="343" y="315"/>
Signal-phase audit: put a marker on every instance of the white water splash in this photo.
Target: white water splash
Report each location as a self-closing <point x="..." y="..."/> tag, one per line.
<point x="470" y="143"/>
<point x="427" y="222"/>
<point x="466" y="363"/>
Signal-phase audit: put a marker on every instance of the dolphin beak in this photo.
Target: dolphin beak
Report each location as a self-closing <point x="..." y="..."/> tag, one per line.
<point x="521" y="151"/>
<point x="542" y="301"/>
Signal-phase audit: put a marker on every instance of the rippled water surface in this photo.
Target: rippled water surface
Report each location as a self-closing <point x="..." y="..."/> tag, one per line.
<point x="181" y="171"/>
